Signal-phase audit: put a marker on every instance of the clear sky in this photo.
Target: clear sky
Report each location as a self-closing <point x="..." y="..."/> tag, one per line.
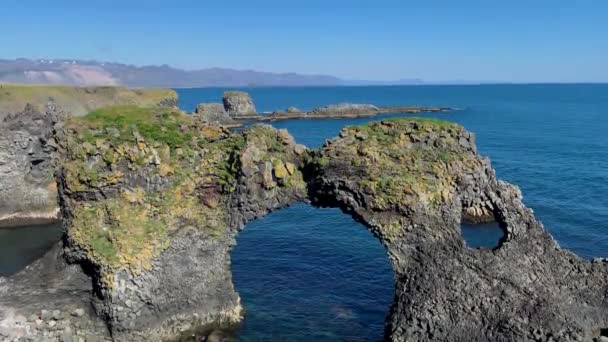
<point x="515" y="40"/>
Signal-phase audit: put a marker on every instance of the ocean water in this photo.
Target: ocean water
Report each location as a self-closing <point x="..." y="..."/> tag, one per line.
<point x="315" y="274"/>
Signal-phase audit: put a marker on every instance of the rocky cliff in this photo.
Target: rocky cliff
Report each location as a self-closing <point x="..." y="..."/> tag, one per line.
<point x="28" y="115"/>
<point x="152" y="201"/>
<point x="28" y="192"/>
<point x="412" y="182"/>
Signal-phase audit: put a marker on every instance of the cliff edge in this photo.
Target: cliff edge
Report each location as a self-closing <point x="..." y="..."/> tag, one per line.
<point x="28" y="118"/>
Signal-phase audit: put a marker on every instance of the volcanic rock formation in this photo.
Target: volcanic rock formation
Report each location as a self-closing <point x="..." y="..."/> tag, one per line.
<point x="152" y="204"/>
<point x="239" y="104"/>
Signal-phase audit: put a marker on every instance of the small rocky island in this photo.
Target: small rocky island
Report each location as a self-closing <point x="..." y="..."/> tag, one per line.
<point x="152" y="200"/>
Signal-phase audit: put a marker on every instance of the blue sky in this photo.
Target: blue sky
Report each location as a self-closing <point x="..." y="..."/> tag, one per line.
<point x="514" y="41"/>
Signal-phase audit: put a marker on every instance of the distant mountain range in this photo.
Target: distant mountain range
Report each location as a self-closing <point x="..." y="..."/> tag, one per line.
<point x="95" y="73"/>
<point x="84" y="73"/>
<point x="89" y="73"/>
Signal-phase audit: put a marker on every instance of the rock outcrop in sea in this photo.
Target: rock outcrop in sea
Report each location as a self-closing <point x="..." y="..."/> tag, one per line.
<point x="152" y="204"/>
<point x="239" y="104"/>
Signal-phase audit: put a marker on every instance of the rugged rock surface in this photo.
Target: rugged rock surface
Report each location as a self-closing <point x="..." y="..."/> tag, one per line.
<point x="214" y="113"/>
<point x="49" y="301"/>
<point x="345" y="108"/>
<point x="28" y="114"/>
<point x="28" y="192"/>
<point x="152" y="203"/>
<point x="239" y="104"/>
<point x="411" y="182"/>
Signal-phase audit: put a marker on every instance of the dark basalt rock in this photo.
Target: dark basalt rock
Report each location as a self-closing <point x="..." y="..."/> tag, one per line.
<point x="527" y="289"/>
<point x="27" y="154"/>
<point x="411" y="181"/>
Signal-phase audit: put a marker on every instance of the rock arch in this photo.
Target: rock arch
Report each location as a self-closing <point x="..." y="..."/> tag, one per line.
<point x="410" y="181"/>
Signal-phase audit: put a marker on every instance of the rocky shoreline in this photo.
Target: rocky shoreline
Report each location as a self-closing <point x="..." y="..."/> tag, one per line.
<point x="151" y="208"/>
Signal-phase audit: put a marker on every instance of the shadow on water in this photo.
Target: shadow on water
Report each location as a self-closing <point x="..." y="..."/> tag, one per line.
<point x="20" y="246"/>
<point x="310" y="274"/>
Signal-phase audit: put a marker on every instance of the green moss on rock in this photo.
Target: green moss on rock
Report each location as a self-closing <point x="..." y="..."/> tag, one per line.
<point x="400" y="163"/>
<point x="121" y="151"/>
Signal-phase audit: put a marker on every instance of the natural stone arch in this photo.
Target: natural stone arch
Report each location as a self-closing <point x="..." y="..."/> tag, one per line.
<point x="408" y="180"/>
<point x="328" y="249"/>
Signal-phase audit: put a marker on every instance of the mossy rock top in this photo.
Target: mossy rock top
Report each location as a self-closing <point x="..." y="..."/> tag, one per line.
<point x="134" y="175"/>
<point x="144" y="168"/>
<point x="400" y="163"/>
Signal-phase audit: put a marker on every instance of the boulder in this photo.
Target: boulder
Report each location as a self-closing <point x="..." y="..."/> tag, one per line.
<point x="239" y="104"/>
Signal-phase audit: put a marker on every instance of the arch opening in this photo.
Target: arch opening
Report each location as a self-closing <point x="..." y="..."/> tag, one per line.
<point x="306" y="273"/>
<point x="482" y="235"/>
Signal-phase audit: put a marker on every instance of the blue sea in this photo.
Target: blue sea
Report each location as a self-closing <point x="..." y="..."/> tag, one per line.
<point x="309" y="274"/>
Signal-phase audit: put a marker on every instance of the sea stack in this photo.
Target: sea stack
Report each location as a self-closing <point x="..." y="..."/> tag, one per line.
<point x="239" y="104"/>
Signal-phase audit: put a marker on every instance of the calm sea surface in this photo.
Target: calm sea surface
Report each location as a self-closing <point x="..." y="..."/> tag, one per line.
<point x="314" y="274"/>
<point x="308" y="274"/>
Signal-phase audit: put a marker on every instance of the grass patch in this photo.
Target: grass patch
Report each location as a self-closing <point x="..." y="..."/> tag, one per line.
<point x="80" y="100"/>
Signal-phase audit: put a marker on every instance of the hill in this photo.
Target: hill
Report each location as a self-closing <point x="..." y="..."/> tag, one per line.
<point x="94" y="73"/>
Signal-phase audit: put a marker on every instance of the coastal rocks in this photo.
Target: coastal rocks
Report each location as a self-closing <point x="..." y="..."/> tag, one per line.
<point x="27" y="157"/>
<point x="29" y="115"/>
<point x="35" y="304"/>
<point x="239" y="104"/>
<point x="411" y="182"/>
<point x="159" y="256"/>
<point x="157" y="253"/>
<point x="214" y="113"/>
<point x="344" y="108"/>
